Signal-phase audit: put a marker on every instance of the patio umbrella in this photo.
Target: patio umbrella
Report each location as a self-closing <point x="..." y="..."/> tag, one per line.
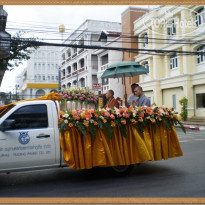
<point x="124" y="69"/>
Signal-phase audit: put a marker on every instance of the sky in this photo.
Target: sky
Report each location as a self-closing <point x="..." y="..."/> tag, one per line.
<point x="49" y="18"/>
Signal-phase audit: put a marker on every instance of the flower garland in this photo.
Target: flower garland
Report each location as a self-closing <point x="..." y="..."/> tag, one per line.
<point x="78" y="94"/>
<point x="110" y="118"/>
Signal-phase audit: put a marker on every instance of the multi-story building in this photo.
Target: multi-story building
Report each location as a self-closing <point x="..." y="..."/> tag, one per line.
<point x="107" y="57"/>
<point x="173" y="73"/>
<point x="129" y="40"/>
<point x="41" y="74"/>
<point x="80" y="65"/>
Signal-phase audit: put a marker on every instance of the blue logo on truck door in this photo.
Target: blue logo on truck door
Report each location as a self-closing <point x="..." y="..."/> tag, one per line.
<point x="24" y="138"/>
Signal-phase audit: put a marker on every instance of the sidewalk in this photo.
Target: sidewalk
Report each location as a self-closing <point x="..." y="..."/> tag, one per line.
<point x="194" y="125"/>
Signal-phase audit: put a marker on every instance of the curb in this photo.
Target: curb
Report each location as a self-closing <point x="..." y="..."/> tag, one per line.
<point x="191" y="127"/>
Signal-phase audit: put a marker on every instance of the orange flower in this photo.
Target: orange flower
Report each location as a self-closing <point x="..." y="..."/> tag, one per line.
<point x="82" y="115"/>
<point x="140" y="119"/>
<point x="133" y="121"/>
<point x="95" y="123"/>
<point x="60" y="120"/>
<point x="104" y="120"/>
<point x="113" y="124"/>
<point x="102" y="112"/>
<point x="74" y="112"/>
<point x="70" y="124"/>
<point x="123" y="122"/>
<point x="87" y="112"/>
<point x="60" y="112"/>
<point x="86" y="123"/>
<point x="152" y="120"/>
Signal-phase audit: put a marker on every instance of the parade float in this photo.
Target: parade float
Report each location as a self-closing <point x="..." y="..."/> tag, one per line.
<point x="92" y="136"/>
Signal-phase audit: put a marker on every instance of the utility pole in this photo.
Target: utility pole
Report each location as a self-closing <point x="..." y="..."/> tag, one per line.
<point x="61" y="30"/>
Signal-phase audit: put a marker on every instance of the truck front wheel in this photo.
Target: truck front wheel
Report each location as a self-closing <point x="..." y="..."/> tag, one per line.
<point x="121" y="170"/>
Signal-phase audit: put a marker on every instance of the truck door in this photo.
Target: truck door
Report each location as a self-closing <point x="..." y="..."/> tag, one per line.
<point x="29" y="142"/>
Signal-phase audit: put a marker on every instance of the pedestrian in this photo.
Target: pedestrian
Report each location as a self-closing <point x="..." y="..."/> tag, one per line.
<point x="132" y="97"/>
<point x="111" y="101"/>
<point x="142" y="99"/>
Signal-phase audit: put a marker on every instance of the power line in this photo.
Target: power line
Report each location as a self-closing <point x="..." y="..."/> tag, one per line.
<point x="158" y="51"/>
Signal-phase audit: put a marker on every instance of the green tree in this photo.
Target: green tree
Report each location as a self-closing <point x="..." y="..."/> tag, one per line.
<point x="20" y="51"/>
<point x="184" y="103"/>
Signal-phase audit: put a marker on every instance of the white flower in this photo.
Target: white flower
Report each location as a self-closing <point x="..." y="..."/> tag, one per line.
<point x="65" y="115"/>
<point x="66" y="121"/>
<point x="91" y="121"/>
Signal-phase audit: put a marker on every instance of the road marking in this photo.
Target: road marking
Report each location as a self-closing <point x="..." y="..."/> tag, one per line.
<point x="199" y="139"/>
<point x="184" y="141"/>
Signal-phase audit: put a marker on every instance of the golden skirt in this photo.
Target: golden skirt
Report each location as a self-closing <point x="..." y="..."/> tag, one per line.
<point x="82" y="152"/>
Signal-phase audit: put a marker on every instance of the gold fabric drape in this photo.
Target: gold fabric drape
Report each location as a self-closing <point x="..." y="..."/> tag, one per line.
<point x="83" y="153"/>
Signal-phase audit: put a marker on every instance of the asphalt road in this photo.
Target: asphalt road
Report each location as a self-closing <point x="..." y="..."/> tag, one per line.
<point x="177" y="177"/>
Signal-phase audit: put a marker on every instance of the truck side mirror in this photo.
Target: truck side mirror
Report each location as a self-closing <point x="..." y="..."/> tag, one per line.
<point x="6" y="125"/>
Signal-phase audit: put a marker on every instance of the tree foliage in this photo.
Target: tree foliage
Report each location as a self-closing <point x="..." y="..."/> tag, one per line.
<point x="19" y="52"/>
<point x="184" y="103"/>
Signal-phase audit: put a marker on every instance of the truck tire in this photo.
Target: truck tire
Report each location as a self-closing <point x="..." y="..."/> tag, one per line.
<point x="122" y="170"/>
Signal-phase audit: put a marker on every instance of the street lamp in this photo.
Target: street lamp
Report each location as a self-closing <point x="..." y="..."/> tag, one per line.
<point x="5" y="37"/>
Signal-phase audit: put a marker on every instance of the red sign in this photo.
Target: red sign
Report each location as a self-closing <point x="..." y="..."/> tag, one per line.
<point x="96" y="86"/>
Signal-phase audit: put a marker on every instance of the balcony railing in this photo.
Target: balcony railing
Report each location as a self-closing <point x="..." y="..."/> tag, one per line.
<point x="69" y="75"/>
<point x="74" y="55"/>
<point x="81" y="70"/>
<point x="104" y="67"/>
<point x="81" y="50"/>
<point x="74" y="73"/>
<point x="68" y="59"/>
<point x="63" y="78"/>
<point x="63" y="62"/>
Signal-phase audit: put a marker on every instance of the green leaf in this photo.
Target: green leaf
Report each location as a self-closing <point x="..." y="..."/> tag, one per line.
<point x="109" y="132"/>
<point x="167" y="125"/>
<point x="82" y="129"/>
<point x="93" y="131"/>
<point x="124" y="130"/>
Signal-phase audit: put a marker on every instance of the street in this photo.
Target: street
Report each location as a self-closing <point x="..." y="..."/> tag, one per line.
<point x="177" y="177"/>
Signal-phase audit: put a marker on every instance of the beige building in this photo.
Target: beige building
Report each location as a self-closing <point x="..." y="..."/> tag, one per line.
<point x="173" y="73"/>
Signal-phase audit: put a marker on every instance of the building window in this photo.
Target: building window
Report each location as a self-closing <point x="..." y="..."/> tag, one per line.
<point x="56" y="77"/>
<point x="146" y="65"/>
<point x="48" y="66"/>
<point x="52" y="77"/>
<point x="49" y="77"/>
<point x="173" y="61"/>
<point x="44" y="77"/>
<point x="63" y="72"/>
<point x="174" y="102"/>
<point x="201" y="55"/>
<point x="200" y="17"/>
<point x="171" y="27"/>
<point x="43" y="66"/>
<point x="39" y="66"/>
<point x="145" y="40"/>
<point x="35" y="66"/>
<point x="200" y="100"/>
<point x="39" y="77"/>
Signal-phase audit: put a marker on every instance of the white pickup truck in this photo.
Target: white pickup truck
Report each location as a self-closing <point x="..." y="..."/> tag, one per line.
<point x="29" y="138"/>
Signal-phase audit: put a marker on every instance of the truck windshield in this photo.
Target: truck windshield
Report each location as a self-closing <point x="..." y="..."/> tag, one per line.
<point x="5" y="109"/>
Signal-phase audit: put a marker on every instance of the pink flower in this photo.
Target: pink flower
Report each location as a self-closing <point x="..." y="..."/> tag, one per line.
<point x="142" y="115"/>
<point x="87" y="117"/>
<point x="92" y="111"/>
<point x="96" y="115"/>
<point x="107" y="114"/>
<point x="126" y="115"/>
<point x="112" y="117"/>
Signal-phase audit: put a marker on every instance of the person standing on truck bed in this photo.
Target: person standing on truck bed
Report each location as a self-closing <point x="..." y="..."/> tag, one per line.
<point x="111" y="101"/>
<point x="142" y="100"/>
